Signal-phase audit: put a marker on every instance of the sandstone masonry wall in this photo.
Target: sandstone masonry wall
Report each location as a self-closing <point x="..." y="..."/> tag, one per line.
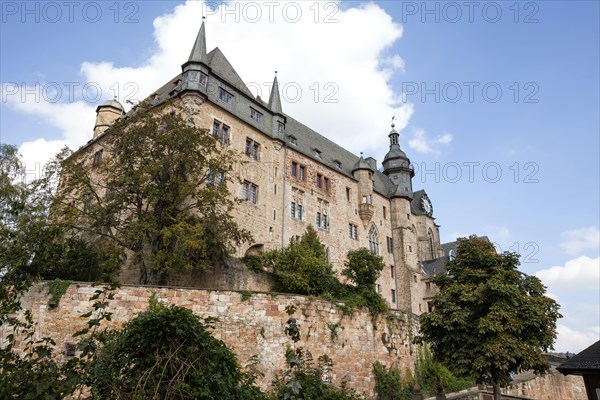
<point x="252" y="326"/>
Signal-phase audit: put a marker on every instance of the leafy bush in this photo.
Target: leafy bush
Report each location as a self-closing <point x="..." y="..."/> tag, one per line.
<point x="433" y="376"/>
<point x="389" y="384"/>
<point x="166" y="353"/>
<point x="363" y="268"/>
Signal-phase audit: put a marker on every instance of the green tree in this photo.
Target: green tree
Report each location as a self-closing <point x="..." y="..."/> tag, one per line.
<point x="363" y="268"/>
<point x="489" y="318"/>
<point x="302" y="267"/>
<point x="389" y="384"/>
<point x="167" y="353"/>
<point x="31" y="246"/>
<point x="156" y="190"/>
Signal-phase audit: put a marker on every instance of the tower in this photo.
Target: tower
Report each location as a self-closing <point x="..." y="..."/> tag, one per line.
<point x="195" y="70"/>
<point x="363" y="171"/>
<point x="106" y="115"/>
<point x="396" y="166"/>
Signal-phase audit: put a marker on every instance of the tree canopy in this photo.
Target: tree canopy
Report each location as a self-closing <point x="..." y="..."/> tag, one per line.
<point x="156" y="189"/>
<point x="489" y="319"/>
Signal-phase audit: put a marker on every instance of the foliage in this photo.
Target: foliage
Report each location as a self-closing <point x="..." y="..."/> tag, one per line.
<point x="389" y="384"/>
<point x="434" y="377"/>
<point x="302" y="268"/>
<point x="159" y="193"/>
<point x="166" y="353"/>
<point x="56" y="288"/>
<point x="489" y="318"/>
<point x="363" y="268"/>
<point x="245" y="294"/>
<point x="31" y="246"/>
<point x="302" y="380"/>
<point x="36" y="374"/>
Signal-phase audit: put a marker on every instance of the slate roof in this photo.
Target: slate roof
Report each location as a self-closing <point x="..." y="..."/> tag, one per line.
<point x="434" y="267"/>
<point x="585" y="362"/>
<point x="222" y="74"/>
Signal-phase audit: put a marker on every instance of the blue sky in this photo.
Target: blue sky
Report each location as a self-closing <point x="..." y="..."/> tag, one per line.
<point x="497" y="102"/>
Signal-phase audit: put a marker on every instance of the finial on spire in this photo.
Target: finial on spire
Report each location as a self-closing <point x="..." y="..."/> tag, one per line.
<point x="393" y="125"/>
<point x="361" y="153"/>
<point x="203" y="18"/>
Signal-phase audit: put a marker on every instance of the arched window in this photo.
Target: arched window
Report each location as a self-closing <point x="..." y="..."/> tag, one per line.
<point x="373" y="240"/>
<point x="451" y="255"/>
<point x="431" y="246"/>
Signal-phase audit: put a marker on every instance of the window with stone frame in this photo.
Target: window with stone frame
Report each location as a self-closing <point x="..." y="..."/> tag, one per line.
<point x="252" y="149"/>
<point x="250" y="192"/>
<point x="323" y="212"/>
<point x="297" y="204"/>
<point x="255" y="115"/>
<point x="390" y="244"/>
<point x="221" y="131"/>
<point x="225" y="96"/>
<point x="353" y="231"/>
<point x="373" y="240"/>
<point x="97" y="157"/>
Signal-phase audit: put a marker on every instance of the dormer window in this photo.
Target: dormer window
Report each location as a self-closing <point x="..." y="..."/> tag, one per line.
<point x="317" y="153"/>
<point x="338" y="164"/>
<point x="280" y="127"/>
<point x="255" y="115"/>
<point x="225" y="96"/>
<point x="293" y="140"/>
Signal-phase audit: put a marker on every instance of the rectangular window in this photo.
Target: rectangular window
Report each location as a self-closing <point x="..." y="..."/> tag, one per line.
<point x="393" y="296"/>
<point x="318" y="219"/>
<point x="203" y="79"/>
<point x="326" y="184"/>
<point x="319" y="181"/>
<point x="384" y="212"/>
<point x="302" y="175"/>
<point x="293" y="210"/>
<point x="299" y="213"/>
<point x="97" y="157"/>
<point x="390" y="244"/>
<point x="292" y="140"/>
<point x="392" y="271"/>
<point x="325" y="222"/>
<point x="255" y="115"/>
<point x="353" y="231"/>
<point x="250" y="192"/>
<point x="214" y="178"/>
<point x="252" y="149"/>
<point x="280" y="127"/>
<point x="294" y="169"/>
<point x="348" y="193"/>
<point x="220" y="131"/>
<point x="225" y="96"/>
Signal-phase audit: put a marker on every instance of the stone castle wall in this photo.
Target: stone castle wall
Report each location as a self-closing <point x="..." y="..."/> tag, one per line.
<point x="250" y="326"/>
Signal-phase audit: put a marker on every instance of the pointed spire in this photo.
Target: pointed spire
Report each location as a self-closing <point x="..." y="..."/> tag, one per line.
<point x="198" y="53"/>
<point x="274" y="99"/>
<point x="394" y="134"/>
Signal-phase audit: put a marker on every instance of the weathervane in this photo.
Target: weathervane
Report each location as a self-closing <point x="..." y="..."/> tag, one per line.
<point x="393" y="118"/>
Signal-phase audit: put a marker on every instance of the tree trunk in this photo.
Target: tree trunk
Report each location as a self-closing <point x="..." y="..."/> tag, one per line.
<point x="497" y="395"/>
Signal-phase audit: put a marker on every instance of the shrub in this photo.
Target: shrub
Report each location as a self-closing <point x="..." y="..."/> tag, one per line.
<point x="166" y="353"/>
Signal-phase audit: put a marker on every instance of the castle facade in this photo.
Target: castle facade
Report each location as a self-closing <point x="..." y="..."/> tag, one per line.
<point x="292" y="177"/>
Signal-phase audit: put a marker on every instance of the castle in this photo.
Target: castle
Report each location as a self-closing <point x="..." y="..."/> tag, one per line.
<point x="295" y="177"/>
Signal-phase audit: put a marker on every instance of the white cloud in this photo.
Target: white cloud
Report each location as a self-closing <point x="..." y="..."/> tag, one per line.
<point x="423" y="144"/>
<point x="335" y="68"/>
<point x="575" y="340"/>
<point x="576" y="241"/>
<point x="581" y="273"/>
<point x="327" y="66"/>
